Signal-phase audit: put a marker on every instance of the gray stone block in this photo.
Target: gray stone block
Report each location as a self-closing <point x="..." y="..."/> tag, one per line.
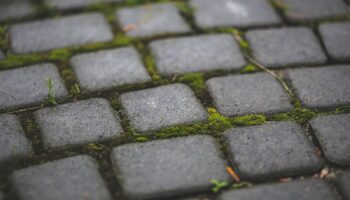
<point x="343" y="183"/>
<point x="333" y="135"/>
<point x="72" y="4"/>
<point x="28" y="86"/>
<point x="70" y="179"/>
<point x="13" y="143"/>
<point x="14" y="9"/>
<point x="152" y="20"/>
<point x="57" y="33"/>
<point x="321" y="87"/>
<point x="301" y="190"/>
<point x="237" y="13"/>
<point x="163" y="168"/>
<point x="258" y="93"/>
<point x="105" y="69"/>
<point x="276" y="149"/>
<point x="336" y="39"/>
<point x="156" y="108"/>
<point x="197" y="53"/>
<point x="81" y="122"/>
<point x="284" y="47"/>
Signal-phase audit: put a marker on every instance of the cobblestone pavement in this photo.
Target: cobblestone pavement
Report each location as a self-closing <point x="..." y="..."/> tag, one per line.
<point x="174" y="99"/>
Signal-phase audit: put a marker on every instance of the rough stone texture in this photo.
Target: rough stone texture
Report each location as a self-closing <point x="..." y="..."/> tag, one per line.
<point x="344" y="184"/>
<point x="198" y="53"/>
<point x="248" y="94"/>
<point x="322" y="87"/>
<point x="277" y="149"/>
<point x="109" y="68"/>
<point x="81" y="122"/>
<point x="237" y="13"/>
<point x="163" y="168"/>
<point x="12" y="9"/>
<point x="2" y="56"/>
<point x="28" y="85"/>
<point x="58" y="33"/>
<point x="301" y="10"/>
<point x="71" y="4"/>
<point x="284" y="47"/>
<point x="70" y="179"/>
<point x="301" y="190"/>
<point x="13" y="143"/>
<point x="156" y="108"/>
<point x="152" y="20"/>
<point x="333" y="134"/>
<point x="336" y="39"/>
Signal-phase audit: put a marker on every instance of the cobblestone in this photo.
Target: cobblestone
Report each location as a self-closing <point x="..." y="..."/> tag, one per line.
<point x="344" y="184"/>
<point x="163" y="168"/>
<point x="268" y="151"/>
<point x="72" y="4"/>
<point x="105" y="69"/>
<point x="198" y="53"/>
<point x="81" y="122"/>
<point x="14" y="9"/>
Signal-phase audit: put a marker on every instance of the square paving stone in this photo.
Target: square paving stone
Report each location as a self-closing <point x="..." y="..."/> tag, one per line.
<point x="153" y="19"/>
<point x="109" y="68"/>
<point x="197" y="53"/>
<point x="72" y="4"/>
<point x="302" y="190"/>
<point x="284" y="47"/>
<point x="302" y="10"/>
<point x="61" y="32"/>
<point x="160" y="169"/>
<point x="81" y="122"/>
<point x="12" y="9"/>
<point x="273" y="150"/>
<point x="321" y="87"/>
<point x="258" y="93"/>
<point x="70" y="178"/>
<point x="156" y="108"/>
<point x="333" y="134"/>
<point x="13" y="143"/>
<point x="336" y="39"/>
<point x="344" y="184"/>
<point x="29" y="86"/>
<point x="237" y="13"/>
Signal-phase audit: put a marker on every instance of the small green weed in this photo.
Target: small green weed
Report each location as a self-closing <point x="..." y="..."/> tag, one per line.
<point x="218" y="185"/>
<point x="50" y="99"/>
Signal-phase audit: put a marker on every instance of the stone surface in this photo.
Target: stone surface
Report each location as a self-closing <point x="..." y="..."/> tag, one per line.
<point x="321" y="87"/>
<point x="13" y="9"/>
<point x="81" y="122"/>
<point x="162" y="168"/>
<point x="237" y="13"/>
<point x="62" y="32"/>
<point x="156" y="108"/>
<point x="29" y="86"/>
<point x="70" y="179"/>
<point x="13" y="143"/>
<point x="301" y="10"/>
<point x="109" y="68"/>
<point x="336" y="39"/>
<point x="344" y="184"/>
<point x="71" y="4"/>
<point x="151" y="20"/>
<point x="276" y="149"/>
<point x="1" y="196"/>
<point x="2" y="56"/>
<point x="284" y="47"/>
<point x="333" y="135"/>
<point x="301" y="190"/>
<point x="198" y="53"/>
<point x="258" y="93"/>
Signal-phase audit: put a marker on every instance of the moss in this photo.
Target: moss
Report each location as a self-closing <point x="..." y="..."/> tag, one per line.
<point x="13" y="61"/>
<point x="94" y="147"/>
<point x="238" y="35"/>
<point x="60" y="54"/>
<point x="299" y="115"/>
<point x="185" y="7"/>
<point x="249" y="120"/>
<point x="248" y="69"/>
<point x="3" y="37"/>
<point x="141" y="139"/>
<point x="278" y="4"/>
<point x="122" y="40"/>
<point x="195" y="80"/>
<point x="218" y="122"/>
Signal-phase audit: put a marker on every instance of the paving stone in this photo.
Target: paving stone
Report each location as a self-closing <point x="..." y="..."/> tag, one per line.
<point x="71" y="4"/>
<point x="248" y="94"/>
<point x="301" y="10"/>
<point x="2" y="56"/>
<point x="344" y="185"/>
<point x="70" y="179"/>
<point x="321" y="87"/>
<point x="12" y="9"/>
<point x="160" y="169"/>
<point x="301" y="190"/>
<point x="28" y="86"/>
<point x="276" y="149"/>
<point x="61" y="32"/>
<point x="81" y="122"/>
<point x="336" y="39"/>
<point x="237" y="13"/>
<point x="333" y="134"/>
<point x="13" y="143"/>
<point x="284" y="47"/>
<point x="109" y="68"/>
<point x="198" y="53"/>
<point x="151" y="20"/>
<point x="156" y="108"/>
